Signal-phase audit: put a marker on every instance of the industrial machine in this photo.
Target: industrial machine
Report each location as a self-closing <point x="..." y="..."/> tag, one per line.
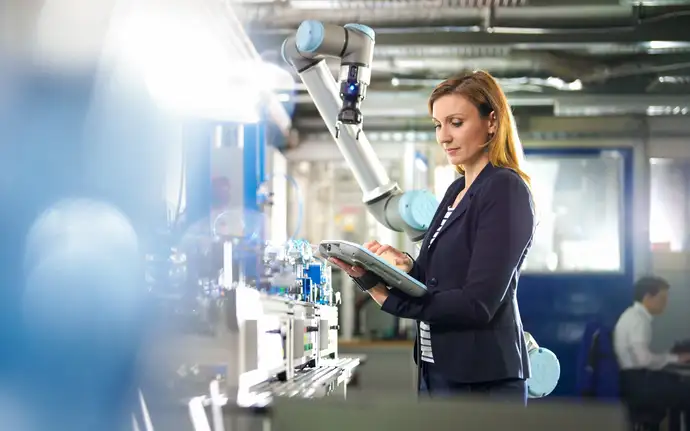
<point x="339" y="105"/>
<point x="245" y="337"/>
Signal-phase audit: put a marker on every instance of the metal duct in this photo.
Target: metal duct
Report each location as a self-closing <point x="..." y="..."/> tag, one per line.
<point x="387" y="4"/>
<point x="502" y="50"/>
<point x="403" y="66"/>
<point x="291" y="17"/>
<point x="414" y="104"/>
<point x="441" y="51"/>
<point x="655" y="2"/>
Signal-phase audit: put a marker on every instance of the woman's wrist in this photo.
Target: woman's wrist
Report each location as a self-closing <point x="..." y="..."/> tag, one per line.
<point x="367" y="281"/>
<point x="411" y="261"/>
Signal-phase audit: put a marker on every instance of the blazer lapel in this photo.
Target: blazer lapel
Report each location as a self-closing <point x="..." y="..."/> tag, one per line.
<point x="442" y="208"/>
<point x="465" y="202"/>
<point x="455" y="215"/>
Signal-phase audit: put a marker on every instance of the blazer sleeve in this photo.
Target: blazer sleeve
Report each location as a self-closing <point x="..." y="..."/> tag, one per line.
<point x="504" y="228"/>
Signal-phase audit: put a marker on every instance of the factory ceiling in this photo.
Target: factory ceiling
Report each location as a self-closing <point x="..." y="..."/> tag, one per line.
<point x="546" y="52"/>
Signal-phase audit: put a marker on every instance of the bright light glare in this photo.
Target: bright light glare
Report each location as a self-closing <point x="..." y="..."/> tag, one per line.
<point x="188" y="71"/>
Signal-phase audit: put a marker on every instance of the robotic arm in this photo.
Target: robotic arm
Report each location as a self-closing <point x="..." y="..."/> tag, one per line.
<point x="410" y="212"/>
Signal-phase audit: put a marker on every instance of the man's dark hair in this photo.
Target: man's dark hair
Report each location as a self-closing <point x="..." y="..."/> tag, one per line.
<point x="649" y="285"/>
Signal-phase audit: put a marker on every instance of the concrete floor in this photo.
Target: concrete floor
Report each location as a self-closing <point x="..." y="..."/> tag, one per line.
<point x="389" y="367"/>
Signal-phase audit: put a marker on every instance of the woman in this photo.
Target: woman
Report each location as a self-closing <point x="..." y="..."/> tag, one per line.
<point x="470" y="328"/>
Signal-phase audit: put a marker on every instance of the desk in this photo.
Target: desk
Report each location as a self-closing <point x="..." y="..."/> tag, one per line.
<point x="683" y="372"/>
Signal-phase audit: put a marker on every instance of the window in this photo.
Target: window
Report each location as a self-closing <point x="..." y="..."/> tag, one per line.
<point x="444" y="175"/>
<point x="668" y="204"/>
<point x="579" y="212"/>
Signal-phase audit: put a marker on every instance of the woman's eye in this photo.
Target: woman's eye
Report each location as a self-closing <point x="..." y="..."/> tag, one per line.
<point x="437" y="126"/>
<point x="456" y="123"/>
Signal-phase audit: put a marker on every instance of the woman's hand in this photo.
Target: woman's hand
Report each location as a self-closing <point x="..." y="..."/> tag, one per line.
<point x="351" y="270"/>
<point x="378" y="293"/>
<point x="391" y="255"/>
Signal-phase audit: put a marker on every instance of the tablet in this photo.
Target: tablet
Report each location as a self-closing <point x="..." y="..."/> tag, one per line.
<point x="355" y="254"/>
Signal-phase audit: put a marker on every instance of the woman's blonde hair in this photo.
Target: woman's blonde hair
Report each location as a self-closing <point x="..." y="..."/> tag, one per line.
<point x="480" y="88"/>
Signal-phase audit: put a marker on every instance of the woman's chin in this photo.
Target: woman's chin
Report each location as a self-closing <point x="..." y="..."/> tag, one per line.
<point x="456" y="160"/>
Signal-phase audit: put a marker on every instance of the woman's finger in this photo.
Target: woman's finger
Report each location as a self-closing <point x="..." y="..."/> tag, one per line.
<point x="339" y="263"/>
<point x="384" y="248"/>
<point x="356" y="271"/>
<point x="372" y="246"/>
<point x="353" y="271"/>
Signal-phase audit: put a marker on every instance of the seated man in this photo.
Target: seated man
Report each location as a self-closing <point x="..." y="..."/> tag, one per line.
<point x="643" y="375"/>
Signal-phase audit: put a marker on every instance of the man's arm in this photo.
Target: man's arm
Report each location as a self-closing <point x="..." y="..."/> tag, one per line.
<point x="640" y="340"/>
<point x="505" y="226"/>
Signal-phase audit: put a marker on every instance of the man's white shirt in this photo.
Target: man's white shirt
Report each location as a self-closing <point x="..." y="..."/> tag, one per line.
<point x="632" y="337"/>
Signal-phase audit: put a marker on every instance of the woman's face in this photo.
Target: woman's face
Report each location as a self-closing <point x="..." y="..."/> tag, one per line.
<point x="460" y="130"/>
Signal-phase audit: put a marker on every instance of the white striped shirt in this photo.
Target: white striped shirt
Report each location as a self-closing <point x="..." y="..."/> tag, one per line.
<point x="424" y="328"/>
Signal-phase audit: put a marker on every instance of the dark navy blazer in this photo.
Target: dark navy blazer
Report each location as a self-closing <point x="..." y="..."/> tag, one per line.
<point x="471" y="272"/>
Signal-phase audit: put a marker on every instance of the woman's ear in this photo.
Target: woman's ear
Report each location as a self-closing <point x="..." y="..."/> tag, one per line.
<point x="493" y="123"/>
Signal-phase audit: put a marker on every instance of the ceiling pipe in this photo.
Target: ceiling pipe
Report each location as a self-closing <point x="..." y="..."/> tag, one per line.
<point x="481" y="18"/>
<point x="502" y="50"/>
<point x="413" y="104"/>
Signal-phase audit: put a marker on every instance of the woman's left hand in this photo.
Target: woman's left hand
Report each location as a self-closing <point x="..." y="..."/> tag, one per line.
<point x="378" y="293"/>
<point x="351" y="270"/>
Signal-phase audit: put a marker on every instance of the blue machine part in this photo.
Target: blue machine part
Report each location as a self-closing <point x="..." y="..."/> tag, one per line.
<point x="417" y="208"/>
<point x="306" y="288"/>
<point x="368" y="31"/>
<point x="546" y="371"/>
<point x="314" y="273"/>
<point x="309" y="36"/>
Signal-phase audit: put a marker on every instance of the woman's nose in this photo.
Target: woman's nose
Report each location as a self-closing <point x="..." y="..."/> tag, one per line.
<point x="443" y="136"/>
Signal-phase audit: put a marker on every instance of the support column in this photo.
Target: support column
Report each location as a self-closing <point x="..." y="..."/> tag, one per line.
<point x="197" y="140"/>
<point x="641" y="204"/>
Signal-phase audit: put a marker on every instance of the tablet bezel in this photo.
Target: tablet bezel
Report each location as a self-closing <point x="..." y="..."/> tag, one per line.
<point x="357" y="255"/>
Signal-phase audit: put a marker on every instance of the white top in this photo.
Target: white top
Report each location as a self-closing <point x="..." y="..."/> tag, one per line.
<point x="424" y="327"/>
<point x="632" y="337"/>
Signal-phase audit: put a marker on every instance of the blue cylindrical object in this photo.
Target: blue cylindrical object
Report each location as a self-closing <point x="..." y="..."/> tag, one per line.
<point x="309" y="36"/>
<point x="546" y="371"/>
<point x="417" y="208"/>
<point x="363" y="29"/>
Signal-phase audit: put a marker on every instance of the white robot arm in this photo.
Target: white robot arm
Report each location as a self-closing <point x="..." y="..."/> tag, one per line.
<point x="410" y="212"/>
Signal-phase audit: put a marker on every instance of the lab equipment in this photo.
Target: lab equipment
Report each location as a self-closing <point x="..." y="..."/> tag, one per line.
<point x="355" y="254"/>
<point x="238" y="342"/>
<point x="410" y="212"/>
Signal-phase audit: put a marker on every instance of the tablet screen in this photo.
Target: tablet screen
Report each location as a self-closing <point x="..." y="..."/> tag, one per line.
<point x="384" y="262"/>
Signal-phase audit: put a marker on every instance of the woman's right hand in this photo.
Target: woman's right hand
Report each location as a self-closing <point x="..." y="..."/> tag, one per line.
<point x="391" y="255"/>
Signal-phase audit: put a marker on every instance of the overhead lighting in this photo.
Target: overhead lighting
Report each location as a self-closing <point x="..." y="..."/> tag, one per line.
<point x="560" y="84"/>
<point x="188" y="71"/>
<point x="662" y="45"/>
<point x="667" y="110"/>
<point x="674" y="79"/>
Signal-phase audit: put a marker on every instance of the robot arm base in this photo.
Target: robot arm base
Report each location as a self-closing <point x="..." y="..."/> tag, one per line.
<point x="546" y="369"/>
<point x="410" y="212"/>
